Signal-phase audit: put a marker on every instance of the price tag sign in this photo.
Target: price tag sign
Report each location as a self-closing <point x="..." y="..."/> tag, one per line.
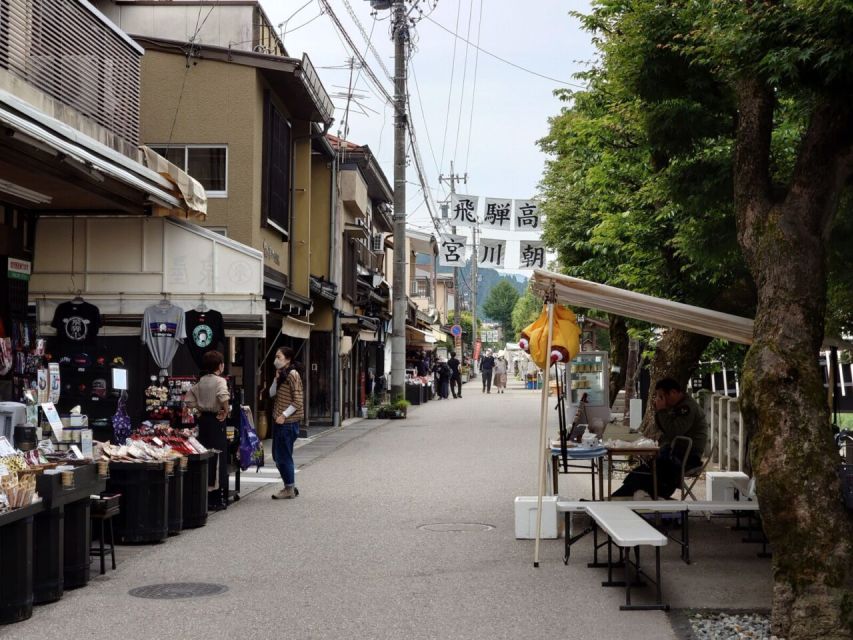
<point x="76" y="451"/>
<point x="86" y="442"/>
<point x="158" y="442"/>
<point x="53" y="419"/>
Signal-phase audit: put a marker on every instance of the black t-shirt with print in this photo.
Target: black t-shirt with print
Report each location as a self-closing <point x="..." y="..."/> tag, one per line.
<point x="205" y="332"/>
<point x="76" y="323"/>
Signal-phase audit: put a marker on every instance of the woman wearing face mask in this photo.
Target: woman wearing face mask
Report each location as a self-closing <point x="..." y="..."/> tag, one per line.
<point x="287" y="414"/>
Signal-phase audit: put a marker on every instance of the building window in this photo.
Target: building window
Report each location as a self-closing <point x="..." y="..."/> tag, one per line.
<point x="277" y="168"/>
<point x="420" y="289"/>
<point x="206" y="163"/>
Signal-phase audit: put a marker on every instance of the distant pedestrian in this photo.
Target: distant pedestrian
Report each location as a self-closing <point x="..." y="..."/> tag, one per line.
<point x="500" y="374"/>
<point x="288" y="412"/>
<point x="487" y="365"/>
<point x="442" y="378"/>
<point x="455" y="376"/>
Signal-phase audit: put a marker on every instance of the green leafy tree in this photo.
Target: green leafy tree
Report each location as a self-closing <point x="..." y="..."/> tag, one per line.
<point x="499" y="305"/>
<point x="711" y="161"/>
<point x="527" y="308"/>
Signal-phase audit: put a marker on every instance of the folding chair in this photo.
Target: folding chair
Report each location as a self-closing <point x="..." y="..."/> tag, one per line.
<point x="694" y="474"/>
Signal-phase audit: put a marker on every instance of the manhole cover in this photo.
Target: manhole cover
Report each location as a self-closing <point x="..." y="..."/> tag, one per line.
<point x="177" y="590"/>
<point x="444" y="527"/>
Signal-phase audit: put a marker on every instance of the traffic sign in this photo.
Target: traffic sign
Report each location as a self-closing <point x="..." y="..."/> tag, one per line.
<point x="456" y="330"/>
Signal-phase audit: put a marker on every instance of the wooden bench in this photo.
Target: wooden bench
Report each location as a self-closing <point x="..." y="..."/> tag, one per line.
<point x="626" y="530"/>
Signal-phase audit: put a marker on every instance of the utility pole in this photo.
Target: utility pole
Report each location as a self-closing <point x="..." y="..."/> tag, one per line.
<point x="474" y="330"/>
<point x="400" y="30"/>
<point x="452" y="179"/>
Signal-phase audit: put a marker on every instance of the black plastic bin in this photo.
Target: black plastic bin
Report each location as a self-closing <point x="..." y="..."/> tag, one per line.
<point x="195" y="490"/>
<point x="144" y="515"/>
<point x="176" y="499"/>
<point x="48" y="555"/>
<point x="16" y="563"/>
<point x="60" y="541"/>
<point x="78" y="539"/>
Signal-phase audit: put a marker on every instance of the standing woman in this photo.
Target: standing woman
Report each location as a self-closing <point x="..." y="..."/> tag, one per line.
<point x="210" y="396"/>
<point x="500" y="374"/>
<point x="287" y="413"/>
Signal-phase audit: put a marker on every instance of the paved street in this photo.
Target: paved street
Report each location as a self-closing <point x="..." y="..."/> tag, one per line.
<point x="347" y="559"/>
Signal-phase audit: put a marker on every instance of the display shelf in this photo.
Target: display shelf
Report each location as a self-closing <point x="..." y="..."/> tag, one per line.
<point x="589" y="376"/>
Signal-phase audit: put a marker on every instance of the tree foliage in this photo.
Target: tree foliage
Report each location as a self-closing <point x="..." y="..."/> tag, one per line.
<point x="499" y="305"/>
<point x="527" y="308"/>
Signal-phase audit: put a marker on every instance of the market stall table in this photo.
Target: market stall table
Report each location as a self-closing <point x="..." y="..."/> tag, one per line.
<point x="195" y="490"/>
<point x="16" y="563"/>
<point x="591" y="454"/>
<point x="143" y="486"/>
<point x="650" y="451"/>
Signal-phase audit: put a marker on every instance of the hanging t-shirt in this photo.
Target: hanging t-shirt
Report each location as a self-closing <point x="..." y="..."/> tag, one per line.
<point x="162" y="331"/>
<point x="205" y="331"/>
<point x="76" y="322"/>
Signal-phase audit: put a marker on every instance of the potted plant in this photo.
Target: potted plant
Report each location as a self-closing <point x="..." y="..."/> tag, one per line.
<point x="400" y="407"/>
<point x="372" y="409"/>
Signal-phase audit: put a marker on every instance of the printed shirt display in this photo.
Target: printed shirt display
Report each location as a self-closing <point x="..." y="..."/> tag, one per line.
<point x="162" y="331"/>
<point x="204" y="332"/>
<point x="76" y="322"/>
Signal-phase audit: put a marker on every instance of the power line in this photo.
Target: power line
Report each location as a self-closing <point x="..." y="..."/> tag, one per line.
<point x="423" y="117"/>
<point x="464" y="76"/>
<point x="504" y="60"/>
<point x="304" y="24"/>
<point x="474" y="89"/>
<point x="450" y="88"/>
<point x="368" y="39"/>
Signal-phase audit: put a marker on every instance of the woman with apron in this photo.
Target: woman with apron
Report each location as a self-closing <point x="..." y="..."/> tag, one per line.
<point x="210" y="396"/>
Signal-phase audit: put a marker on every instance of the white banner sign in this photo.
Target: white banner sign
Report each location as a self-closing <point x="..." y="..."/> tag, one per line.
<point x="491" y="254"/>
<point x="463" y="210"/>
<point x="498" y="214"/>
<point x="451" y="251"/>
<point x="526" y="215"/>
<point x="531" y="254"/>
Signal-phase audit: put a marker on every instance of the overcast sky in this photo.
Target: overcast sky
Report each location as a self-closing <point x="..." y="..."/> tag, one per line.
<point x="497" y="146"/>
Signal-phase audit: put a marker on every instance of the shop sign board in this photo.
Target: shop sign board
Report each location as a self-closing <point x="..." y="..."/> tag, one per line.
<point x="19" y="269"/>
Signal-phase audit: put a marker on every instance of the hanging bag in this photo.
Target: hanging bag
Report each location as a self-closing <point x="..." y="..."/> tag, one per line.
<point x="251" y="447"/>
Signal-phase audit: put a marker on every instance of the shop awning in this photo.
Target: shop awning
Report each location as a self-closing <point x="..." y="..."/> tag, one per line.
<point x="68" y="150"/>
<point x="123" y="265"/>
<point x="440" y="336"/>
<point x="191" y="190"/>
<point x="418" y="338"/>
<point x="296" y="328"/>
<point x="658" y="311"/>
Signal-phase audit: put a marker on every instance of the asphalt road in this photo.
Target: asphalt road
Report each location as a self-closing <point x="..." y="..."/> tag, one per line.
<point x="348" y="559"/>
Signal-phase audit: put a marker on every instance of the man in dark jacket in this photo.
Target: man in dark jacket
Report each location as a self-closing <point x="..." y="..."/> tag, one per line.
<point x="487" y="365"/>
<point x="455" y="376"/>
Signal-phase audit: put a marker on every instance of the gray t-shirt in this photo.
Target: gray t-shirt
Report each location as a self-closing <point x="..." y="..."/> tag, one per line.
<point x="162" y="330"/>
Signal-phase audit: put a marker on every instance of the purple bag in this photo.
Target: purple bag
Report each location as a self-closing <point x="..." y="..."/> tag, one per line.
<point x="121" y="423"/>
<point x="251" y="447"/>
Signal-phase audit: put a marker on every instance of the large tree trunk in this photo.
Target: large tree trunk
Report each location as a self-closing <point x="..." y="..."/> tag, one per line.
<point x="676" y="356"/>
<point x="618" y="355"/>
<point x="783" y="399"/>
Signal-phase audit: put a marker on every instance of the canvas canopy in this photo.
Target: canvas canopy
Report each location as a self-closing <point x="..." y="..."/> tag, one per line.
<point x="659" y="311"/>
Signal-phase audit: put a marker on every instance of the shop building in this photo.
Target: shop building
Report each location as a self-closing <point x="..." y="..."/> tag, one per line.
<point x="364" y="303"/>
<point x="229" y="105"/>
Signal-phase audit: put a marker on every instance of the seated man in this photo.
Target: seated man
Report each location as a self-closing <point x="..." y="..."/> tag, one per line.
<point x="677" y="414"/>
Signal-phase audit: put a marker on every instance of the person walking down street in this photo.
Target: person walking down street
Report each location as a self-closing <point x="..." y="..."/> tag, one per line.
<point x="289" y="412"/>
<point x="500" y="374"/>
<point x="455" y="375"/>
<point x="212" y="399"/>
<point x="487" y="365"/>
<point x="442" y="378"/>
<point x="677" y="414"/>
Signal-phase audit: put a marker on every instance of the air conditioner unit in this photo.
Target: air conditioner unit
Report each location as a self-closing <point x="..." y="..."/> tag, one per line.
<point x="376" y="243"/>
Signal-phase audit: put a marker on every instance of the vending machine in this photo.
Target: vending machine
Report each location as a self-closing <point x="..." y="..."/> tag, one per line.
<point x="590" y="375"/>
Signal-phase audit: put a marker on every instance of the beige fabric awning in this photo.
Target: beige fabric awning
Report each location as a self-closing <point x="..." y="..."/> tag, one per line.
<point x="191" y="191"/>
<point x="296" y="328"/>
<point x="659" y="311"/>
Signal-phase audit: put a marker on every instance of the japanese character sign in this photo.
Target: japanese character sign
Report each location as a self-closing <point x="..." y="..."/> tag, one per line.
<point x="452" y="251"/>
<point x="491" y="254"/>
<point x="463" y="210"/>
<point x="526" y="215"/>
<point x="531" y="255"/>
<point x="498" y="214"/>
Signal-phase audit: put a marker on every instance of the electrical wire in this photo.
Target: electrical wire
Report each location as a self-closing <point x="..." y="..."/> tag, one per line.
<point x="474" y="89"/>
<point x="464" y="76"/>
<point x="304" y="24"/>
<point x="450" y="87"/>
<point x="504" y="60"/>
<point x="423" y="117"/>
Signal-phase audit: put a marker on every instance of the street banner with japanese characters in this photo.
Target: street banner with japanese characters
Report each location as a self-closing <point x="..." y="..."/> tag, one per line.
<point x="463" y="210"/>
<point x="531" y="254"/>
<point x="451" y="251"/>
<point x="526" y="215"/>
<point x="497" y="215"/>
<point x="491" y="254"/>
